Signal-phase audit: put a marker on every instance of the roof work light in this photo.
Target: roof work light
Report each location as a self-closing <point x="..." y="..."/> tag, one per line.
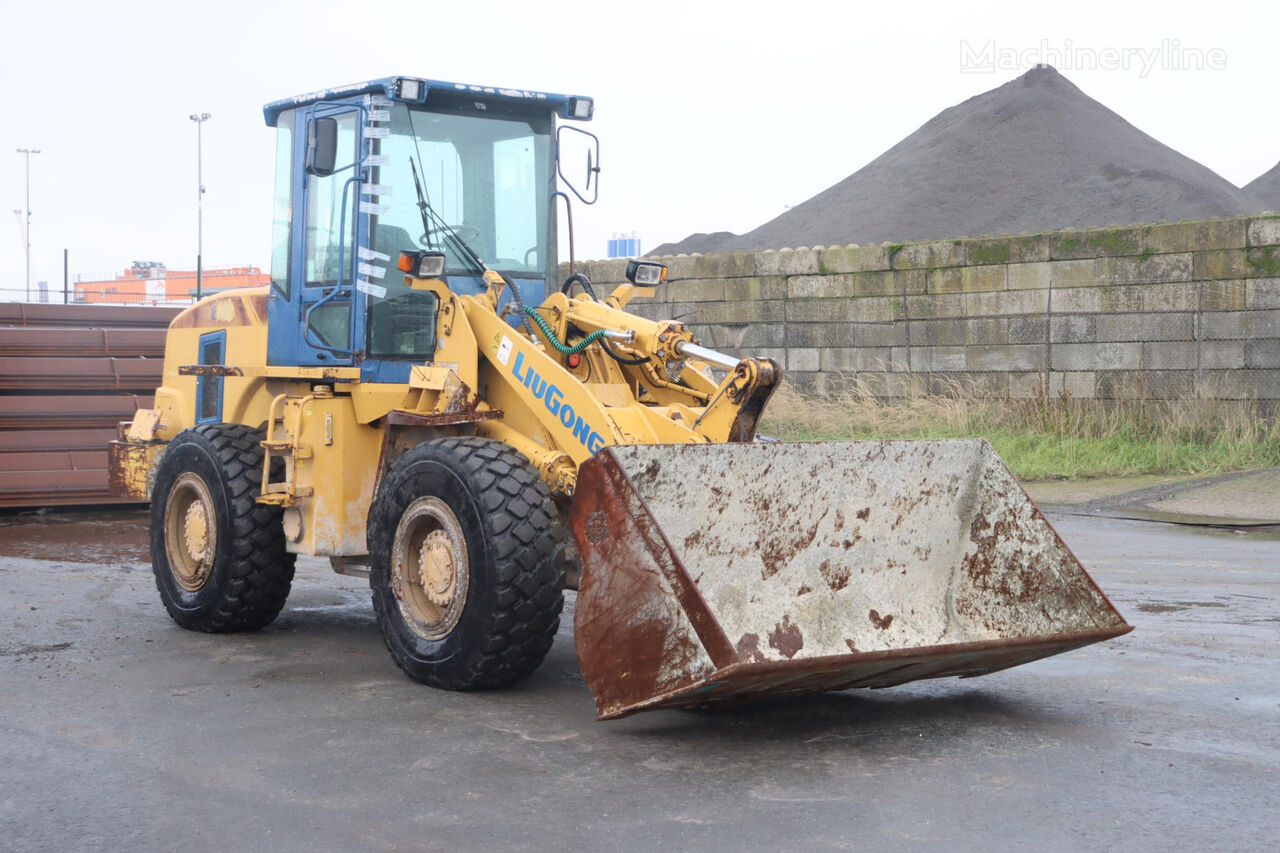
<point x="408" y="89"/>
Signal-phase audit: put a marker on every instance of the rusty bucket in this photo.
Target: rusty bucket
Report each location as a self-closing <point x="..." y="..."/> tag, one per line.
<point x="717" y="572"/>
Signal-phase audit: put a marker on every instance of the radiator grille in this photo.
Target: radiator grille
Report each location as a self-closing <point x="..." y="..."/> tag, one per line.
<point x="210" y="390"/>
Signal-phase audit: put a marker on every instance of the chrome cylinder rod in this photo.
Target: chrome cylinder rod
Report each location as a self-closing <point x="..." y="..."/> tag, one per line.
<point x="710" y="356"/>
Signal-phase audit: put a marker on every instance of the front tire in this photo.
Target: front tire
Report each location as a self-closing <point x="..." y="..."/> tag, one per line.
<point x="464" y="542"/>
<point x="219" y="556"/>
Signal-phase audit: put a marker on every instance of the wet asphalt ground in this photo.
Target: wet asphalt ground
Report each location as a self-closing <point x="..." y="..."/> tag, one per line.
<point x="120" y="731"/>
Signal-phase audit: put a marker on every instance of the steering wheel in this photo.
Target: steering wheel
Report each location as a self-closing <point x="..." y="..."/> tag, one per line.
<point x="467" y="233"/>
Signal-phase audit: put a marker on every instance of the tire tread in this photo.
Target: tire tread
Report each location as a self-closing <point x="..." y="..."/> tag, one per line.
<point x="261" y="570"/>
<point x="526" y="536"/>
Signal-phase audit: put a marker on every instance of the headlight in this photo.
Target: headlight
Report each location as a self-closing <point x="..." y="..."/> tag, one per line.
<point x="422" y="264"/>
<point x="646" y="273"/>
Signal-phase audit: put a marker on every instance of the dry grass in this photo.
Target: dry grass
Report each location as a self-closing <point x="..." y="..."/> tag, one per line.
<point x="1051" y="436"/>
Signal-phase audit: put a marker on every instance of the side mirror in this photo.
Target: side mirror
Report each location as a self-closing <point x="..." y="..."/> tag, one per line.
<point x="322" y="146"/>
<point x="571" y="145"/>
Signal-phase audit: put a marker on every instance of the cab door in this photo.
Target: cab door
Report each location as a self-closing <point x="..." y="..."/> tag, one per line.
<point x="313" y="325"/>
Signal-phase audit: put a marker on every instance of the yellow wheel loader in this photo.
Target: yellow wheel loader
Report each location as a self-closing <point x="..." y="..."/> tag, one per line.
<point x="475" y="437"/>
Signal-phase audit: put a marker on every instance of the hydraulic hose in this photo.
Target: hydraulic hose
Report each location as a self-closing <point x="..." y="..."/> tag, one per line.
<point x="622" y="359"/>
<point x="579" y="278"/>
<point x="564" y="349"/>
<point x="515" y="296"/>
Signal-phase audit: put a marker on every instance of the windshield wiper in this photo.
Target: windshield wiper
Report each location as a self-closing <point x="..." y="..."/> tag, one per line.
<point x="432" y="222"/>
<point x="461" y="248"/>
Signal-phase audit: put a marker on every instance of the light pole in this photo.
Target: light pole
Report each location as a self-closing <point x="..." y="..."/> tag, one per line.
<point x="199" y="119"/>
<point x="28" y="152"/>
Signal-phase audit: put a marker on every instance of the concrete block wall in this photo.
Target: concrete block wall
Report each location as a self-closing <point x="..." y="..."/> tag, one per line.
<point x="1100" y="313"/>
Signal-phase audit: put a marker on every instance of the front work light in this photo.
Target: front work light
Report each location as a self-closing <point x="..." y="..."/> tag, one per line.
<point x="408" y="89"/>
<point x="422" y="264"/>
<point x="646" y="273"/>
<point x="581" y="108"/>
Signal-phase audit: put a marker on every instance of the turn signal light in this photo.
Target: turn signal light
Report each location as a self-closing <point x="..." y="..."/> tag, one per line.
<point x="422" y="264"/>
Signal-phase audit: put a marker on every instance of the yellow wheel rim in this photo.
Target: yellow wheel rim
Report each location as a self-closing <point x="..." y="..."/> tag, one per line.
<point x="429" y="568"/>
<point x="191" y="532"/>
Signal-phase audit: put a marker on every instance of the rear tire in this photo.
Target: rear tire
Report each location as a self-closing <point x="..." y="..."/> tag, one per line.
<point x="464" y="543"/>
<point x="219" y="556"/>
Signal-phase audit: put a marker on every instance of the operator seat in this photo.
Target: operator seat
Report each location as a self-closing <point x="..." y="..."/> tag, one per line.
<point x="401" y="322"/>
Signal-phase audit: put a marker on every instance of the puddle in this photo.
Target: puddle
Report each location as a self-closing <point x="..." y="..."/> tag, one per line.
<point x="1175" y="606"/>
<point x="1268" y="530"/>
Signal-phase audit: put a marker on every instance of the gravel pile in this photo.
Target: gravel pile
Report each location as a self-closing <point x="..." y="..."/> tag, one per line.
<point x="1265" y="187"/>
<point x="1035" y="154"/>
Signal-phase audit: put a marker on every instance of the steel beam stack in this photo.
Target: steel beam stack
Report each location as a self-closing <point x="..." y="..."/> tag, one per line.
<point x="68" y="375"/>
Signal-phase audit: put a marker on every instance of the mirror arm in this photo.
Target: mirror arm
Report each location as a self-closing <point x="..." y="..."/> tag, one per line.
<point x="568" y="212"/>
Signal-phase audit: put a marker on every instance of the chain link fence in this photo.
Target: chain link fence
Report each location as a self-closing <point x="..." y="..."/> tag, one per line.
<point x="99" y="296"/>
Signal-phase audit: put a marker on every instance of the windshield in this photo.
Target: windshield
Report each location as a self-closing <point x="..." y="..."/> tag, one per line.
<point x="484" y="175"/>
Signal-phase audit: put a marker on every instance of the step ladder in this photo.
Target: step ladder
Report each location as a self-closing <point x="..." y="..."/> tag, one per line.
<point x="282" y="443"/>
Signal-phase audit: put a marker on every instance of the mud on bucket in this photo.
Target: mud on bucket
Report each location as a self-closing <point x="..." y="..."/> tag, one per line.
<point x="716" y="572"/>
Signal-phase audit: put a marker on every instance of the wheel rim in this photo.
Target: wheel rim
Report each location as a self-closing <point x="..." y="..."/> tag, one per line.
<point x="191" y="532"/>
<point x="429" y="568"/>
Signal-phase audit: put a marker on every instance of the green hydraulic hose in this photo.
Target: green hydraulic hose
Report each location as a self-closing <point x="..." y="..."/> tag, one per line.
<point x="555" y="342"/>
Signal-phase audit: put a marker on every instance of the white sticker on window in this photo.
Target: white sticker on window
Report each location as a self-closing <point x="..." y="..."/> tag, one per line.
<point x="371" y="271"/>
<point x="372" y="160"/>
<point x="375" y="189"/>
<point x="371" y="132"/>
<point x="374" y="209"/>
<point x="374" y="290"/>
<point x="379" y="115"/>
<point x="371" y="255"/>
<point x="379" y="101"/>
<point x="504" y="350"/>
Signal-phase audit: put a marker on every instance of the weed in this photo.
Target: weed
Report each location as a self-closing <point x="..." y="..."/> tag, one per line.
<point x="988" y="253"/>
<point x="1049" y="435"/>
<point x="1264" y="262"/>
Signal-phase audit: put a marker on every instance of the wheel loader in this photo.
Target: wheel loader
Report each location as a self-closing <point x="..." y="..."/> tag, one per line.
<point x="417" y="397"/>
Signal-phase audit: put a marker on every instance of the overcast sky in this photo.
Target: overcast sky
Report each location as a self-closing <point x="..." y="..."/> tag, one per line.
<point x="713" y="116"/>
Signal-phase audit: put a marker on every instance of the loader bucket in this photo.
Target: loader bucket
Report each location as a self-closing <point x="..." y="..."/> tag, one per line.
<point x="718" y="572"/>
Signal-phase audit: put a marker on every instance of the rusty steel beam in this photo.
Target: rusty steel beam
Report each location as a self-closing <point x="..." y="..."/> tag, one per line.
<point x="51" y="478"/>
<point x="29" y="440"/>
<point x="90" y="374"/>
<point x="27" y="412"/>
<point x="55" y="487"/>
<point x="64" y="493"/>
<point x="35" y="314"/>
<point x="54" y="460"/>
<point x="30" y="341"/>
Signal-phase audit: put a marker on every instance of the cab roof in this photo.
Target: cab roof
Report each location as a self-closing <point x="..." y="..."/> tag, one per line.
<point x="574" y="107"/>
